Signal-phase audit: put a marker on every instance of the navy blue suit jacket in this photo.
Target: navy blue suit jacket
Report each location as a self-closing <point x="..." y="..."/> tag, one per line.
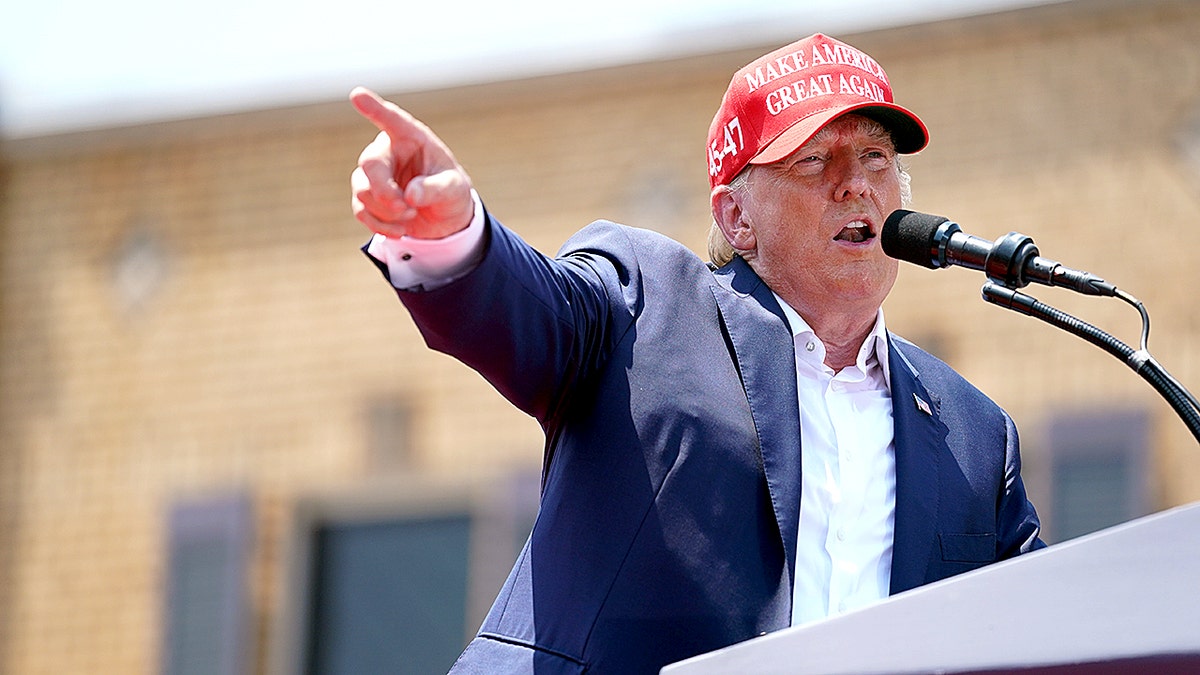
<point x="671" y="480"/>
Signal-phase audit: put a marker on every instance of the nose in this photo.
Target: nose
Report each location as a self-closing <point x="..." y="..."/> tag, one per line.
<point x="850" y="179"/>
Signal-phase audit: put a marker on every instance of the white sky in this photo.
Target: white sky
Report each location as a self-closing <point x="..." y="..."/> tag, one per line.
<point x="74" y="64"/>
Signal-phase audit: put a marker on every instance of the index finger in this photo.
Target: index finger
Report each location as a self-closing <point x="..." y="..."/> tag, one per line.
<point x="387" y="116"/>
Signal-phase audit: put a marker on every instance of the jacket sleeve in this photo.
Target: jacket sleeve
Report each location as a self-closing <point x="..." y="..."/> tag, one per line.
<point x="1017" y="524"/>
<point x="534" y="325"/>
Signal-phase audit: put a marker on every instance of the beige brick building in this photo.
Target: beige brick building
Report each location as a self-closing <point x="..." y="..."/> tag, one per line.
<point x="184" y="314"/>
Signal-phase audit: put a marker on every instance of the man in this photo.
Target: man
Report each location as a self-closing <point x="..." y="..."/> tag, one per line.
<point x="729" y="450"/>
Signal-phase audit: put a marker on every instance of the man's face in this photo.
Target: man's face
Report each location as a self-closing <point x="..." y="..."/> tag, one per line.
<point x="816" y="217"/>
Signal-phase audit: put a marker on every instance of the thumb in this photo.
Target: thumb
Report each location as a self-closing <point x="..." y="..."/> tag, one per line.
<point x="443" y="187"/>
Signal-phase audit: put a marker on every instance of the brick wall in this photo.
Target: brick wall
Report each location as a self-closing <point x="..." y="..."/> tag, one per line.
<point x="183" y="310"/>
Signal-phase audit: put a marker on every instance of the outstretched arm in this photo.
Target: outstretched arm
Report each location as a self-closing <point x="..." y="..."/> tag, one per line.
<point x="526" y="322"/>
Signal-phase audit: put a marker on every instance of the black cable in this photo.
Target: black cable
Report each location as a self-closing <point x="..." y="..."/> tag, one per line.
<point x="1146" y="340"/>
<point x="1180" y="399"/>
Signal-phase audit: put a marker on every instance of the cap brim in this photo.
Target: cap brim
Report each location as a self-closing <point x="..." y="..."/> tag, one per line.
<point x="907" y="130"/>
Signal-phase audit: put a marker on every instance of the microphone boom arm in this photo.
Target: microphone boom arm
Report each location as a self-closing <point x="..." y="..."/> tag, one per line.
<point x="1140" y="360"/>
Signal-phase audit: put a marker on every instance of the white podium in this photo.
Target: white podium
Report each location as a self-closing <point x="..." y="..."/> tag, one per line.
<point x="1122" y="600"/>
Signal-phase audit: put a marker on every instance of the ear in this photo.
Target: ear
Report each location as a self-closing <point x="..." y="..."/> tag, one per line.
<point x="733" y="220"/>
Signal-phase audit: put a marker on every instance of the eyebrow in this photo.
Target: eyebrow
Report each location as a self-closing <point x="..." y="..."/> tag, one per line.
<point x="883" y="138"/>
<point x="864" y="125"/>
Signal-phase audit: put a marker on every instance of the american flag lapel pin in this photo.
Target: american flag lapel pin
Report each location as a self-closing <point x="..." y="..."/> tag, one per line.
<point x="922" y="405"/>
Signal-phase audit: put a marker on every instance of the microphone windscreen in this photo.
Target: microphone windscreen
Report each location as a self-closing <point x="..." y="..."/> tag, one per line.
<point x="909" y="236"/>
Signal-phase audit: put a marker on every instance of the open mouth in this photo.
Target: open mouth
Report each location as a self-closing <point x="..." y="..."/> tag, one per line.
<point x="855" y="233"/>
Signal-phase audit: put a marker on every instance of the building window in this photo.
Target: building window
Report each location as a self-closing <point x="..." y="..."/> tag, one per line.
<point x="397" y="577"/>
<point x="1098" y="471"/>
<point x="389" y="595"/>
<point x="207" y="607"/>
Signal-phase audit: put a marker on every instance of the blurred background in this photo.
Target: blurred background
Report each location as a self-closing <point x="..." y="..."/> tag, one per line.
<point x="224" y="447"/>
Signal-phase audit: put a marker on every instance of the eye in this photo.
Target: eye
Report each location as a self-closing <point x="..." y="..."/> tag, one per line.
<point x="809" y="164"/>
<point x="875" y="159"/>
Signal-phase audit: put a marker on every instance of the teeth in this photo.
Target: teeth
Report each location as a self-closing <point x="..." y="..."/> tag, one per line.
<point x="855" y="232"/>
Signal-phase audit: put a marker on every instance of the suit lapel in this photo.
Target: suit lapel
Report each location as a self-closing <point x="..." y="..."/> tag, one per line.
<point x="920" y="439"/>
<point x="765" y="355"/>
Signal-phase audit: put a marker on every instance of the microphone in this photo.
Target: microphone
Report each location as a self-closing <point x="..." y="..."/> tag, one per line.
<point x="1012" y="260"/>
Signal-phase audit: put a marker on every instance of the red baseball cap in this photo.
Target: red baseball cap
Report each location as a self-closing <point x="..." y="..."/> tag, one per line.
<point x="776" y="103"/>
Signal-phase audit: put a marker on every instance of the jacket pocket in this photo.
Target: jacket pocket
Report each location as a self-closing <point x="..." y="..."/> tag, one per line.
<point x="968" y="548"/>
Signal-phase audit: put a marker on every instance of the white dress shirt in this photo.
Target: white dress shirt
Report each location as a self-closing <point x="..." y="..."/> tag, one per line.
<point x="848" y="483"/>
<point x="430" y="263"/>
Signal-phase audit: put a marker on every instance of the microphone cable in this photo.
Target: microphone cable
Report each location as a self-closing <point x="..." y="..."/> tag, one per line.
<point x="1139" y="360"/>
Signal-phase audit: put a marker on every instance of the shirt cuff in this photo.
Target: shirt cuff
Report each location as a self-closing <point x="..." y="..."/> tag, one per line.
<point x="427" y="264"/>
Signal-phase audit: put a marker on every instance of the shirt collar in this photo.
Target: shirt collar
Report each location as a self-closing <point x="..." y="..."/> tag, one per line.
<point x="874" y="344"/>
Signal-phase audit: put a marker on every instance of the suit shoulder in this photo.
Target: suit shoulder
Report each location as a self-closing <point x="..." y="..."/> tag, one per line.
<point x="605" y="235"/>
